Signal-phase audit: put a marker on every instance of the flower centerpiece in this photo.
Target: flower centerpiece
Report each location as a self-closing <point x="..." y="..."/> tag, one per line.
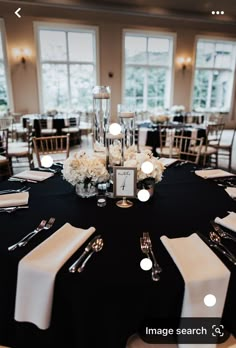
<point x="85" y="172"/>
<point x="159" y="118"/>
<point x="146" y="181"/>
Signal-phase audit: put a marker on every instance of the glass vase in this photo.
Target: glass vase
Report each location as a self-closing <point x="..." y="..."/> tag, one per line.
<point x="85" y="190"/>
<point x="101" y="108"/>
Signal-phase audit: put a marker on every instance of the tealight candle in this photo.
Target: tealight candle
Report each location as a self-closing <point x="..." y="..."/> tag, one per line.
<point x="101" y="202"/>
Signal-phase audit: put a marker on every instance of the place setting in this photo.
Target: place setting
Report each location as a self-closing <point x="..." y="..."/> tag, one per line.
<point x="12" y="200"/>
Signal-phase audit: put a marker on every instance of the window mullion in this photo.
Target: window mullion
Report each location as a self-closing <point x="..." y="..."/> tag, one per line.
<point x="68" y="69"/>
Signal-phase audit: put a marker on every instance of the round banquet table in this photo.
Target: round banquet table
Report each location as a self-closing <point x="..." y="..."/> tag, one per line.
<point x="105" y="304"/>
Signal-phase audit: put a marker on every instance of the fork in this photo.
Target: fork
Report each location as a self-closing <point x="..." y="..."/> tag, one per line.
<point x="12" y="209"/>
<point x="36" y="230"/>
<point x="147" y="238"/>
<point x="145" y="249"/>
<point x="22" y="189"/>
<point x="45" y="227"/>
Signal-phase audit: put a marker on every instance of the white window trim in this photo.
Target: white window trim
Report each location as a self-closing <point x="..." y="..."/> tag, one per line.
<point x="61" y="26"/>
<point x="6" y="65"/>
<point x="213" y="38"/>
<point x="155" y="33"/>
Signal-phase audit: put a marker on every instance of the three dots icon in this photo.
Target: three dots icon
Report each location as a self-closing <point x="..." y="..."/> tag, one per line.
<point x="217" y="12"/>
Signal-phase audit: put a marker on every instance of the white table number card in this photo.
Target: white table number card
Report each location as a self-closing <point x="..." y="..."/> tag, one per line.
<point x="125" y="179"/>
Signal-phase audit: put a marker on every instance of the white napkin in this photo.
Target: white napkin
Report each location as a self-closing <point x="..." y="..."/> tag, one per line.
<point x="37" y="272"/>
<point x="33" y="175"/>
<point x="167" y="161"/>
<point x="203" y="274"/>
<point x="14" y="199"/>
<point x="229" y="221"/>
<point x="231" y="191"/>
<point x="212" y="173"/>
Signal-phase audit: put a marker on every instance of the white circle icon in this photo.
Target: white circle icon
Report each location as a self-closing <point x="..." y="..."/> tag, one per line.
<point x="213" y="12"/>
<point x="147" y="167"/>
<point x="210" y="300"/>
<point x="115" y="128"/>
<point x="143" y="195"/>
<point x="222" y="12"/>
<point x="47" y="161"/>
<point x="146" y="264"/>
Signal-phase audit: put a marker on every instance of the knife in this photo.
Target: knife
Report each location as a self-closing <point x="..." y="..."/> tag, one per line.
<point x="211" y="244"/>
<point x="73" y="268"/>
<point x="222" y="232"/>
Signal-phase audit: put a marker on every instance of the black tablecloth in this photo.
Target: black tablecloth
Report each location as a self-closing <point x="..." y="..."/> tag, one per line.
<point x="105" y="304"/>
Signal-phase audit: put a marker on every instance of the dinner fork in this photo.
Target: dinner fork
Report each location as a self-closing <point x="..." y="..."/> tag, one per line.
<point x="12" y="209"/>
<point x="145" y="249"/>
<point x="22" y="189"/>
<point x="147" y="238"/>
<point x="45" y="227"/>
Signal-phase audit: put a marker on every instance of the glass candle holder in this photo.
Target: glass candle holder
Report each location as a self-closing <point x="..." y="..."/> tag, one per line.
<point x="101" y="108"/>
<point x="126" y="115"/>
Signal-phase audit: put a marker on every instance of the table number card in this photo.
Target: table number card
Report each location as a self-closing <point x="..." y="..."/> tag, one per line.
<point x="125" y="179"/>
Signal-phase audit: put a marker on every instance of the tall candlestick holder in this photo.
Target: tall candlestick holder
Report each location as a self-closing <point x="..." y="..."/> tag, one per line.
<point x="101" y="108"/>
<point x="126" y="115"/>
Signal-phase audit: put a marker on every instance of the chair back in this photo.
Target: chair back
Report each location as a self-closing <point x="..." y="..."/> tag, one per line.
<point x="189" y="148"/>
<point x="167" y="140"/>
<point x="4" y="134"/>
<point x="214" y="133"/>
<point x="53" y="145"/>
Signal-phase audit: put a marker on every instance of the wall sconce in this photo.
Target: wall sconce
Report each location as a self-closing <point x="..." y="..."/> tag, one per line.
<point x="22" y="54"/>
<point x="184" y="62"/>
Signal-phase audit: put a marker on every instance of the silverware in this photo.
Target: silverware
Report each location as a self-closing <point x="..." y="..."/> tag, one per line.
<point x="12" y="209"/>
<point x="213" y="245"/>
<point x="145" y="249"/>
<point x="157" y="267"/>
<point x="45" y="227"/>
<point x="36" y="230"/>
<point x="96" y="247"/>
<point x="221" y="232"/>
<point x="217" y="240"/>
<point x="22" y="189"/>
<point x="22" y="180"/>
<point x="73" y="268"/>
<point x="54" y="171"/>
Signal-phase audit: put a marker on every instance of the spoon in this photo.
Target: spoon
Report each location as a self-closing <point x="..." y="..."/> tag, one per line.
<point x="96" y="247"/>
<point x="217" y="240"/>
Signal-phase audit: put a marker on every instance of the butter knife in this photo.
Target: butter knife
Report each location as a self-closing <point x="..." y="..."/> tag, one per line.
<point x="73" y="268"/>
<point x="222" y="233"/>
<point x="213" y="245"/>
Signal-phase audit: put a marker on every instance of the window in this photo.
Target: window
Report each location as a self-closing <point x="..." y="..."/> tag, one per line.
<point x="148" y="60"/>
<point x="4" y="90"/>
<point x="67" y="67"/>
<point x="214" y="75"/>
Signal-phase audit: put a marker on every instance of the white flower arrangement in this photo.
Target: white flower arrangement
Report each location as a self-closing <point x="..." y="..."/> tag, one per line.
<point x="136" y="159"/>
<point x="178" y="108"/>
<point x="159" y="118"/>
<point x="82" y="168"/>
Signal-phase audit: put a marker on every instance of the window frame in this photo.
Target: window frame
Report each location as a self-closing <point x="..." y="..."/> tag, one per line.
<point x="65" y="27"/>
<point x="6" y="66"/>
<point x="157" y="34"/>
<point x="223" y="40"/>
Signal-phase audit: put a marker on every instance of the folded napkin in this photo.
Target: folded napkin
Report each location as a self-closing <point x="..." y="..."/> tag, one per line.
<point x="229" y="221"/>
<point x="33" y="175"/>
<point x="14" y="199"/>
<point x="203" y="274"/>
<point x="167" y="161"/>
<point x="37" y="272"/>
<point x="231" y="191"/>
<point x="212" y="173"/>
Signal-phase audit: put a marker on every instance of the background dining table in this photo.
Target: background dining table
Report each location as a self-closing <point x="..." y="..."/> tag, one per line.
<point x="108" y="301"/>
